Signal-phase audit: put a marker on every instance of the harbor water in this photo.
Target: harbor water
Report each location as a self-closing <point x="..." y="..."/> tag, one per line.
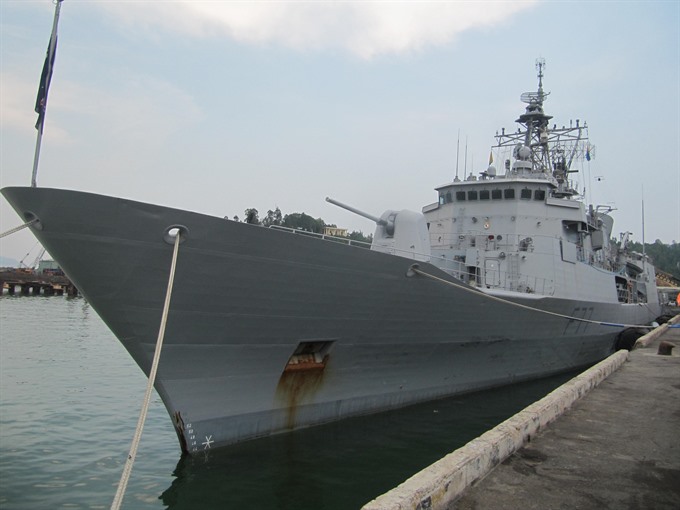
<point x="70" y="397"/>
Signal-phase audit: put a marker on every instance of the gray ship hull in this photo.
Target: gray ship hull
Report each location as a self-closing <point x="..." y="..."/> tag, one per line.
<point x="246" y="297"/>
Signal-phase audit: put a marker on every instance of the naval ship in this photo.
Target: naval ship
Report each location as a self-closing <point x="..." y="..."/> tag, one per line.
<point x="505" y="277"/>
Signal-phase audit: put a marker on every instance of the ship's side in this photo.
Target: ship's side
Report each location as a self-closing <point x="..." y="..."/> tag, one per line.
<point x="270" y="331"/>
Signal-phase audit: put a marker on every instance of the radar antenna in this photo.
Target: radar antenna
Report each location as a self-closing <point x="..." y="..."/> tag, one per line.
<point x="539" y="96"/>
<point x="540" y="64"/>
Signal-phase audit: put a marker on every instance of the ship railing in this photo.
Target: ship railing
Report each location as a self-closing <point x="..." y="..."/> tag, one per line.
<point x="408" y="254"/>
<point x="523" y="283"/>
<point x="629" y="295"/>
<point x="624" y="295"/>
<point x="325" y="237"/>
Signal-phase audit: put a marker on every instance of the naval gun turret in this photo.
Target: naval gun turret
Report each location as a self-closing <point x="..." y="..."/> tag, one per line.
<point x="403" y="233"/>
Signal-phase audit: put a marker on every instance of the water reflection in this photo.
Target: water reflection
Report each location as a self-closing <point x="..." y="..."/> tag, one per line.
<point x="70" y="400"/>
<point x="344" y="464"/>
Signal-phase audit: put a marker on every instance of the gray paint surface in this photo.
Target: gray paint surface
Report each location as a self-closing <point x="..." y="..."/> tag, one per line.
<point x="246" y="296"/>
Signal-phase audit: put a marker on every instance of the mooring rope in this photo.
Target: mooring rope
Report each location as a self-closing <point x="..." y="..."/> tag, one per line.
<point x="20" y="227"/>
<point x="526" y="307"/>
<point x="122" y="485"/>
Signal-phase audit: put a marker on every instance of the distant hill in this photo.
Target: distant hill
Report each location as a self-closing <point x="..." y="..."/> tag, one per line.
<point x="5" y="262"/>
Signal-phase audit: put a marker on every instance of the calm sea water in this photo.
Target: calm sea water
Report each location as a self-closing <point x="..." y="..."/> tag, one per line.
<point x="70" y="397"/>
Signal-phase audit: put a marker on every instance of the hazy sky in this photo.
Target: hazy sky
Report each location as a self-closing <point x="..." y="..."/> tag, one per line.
<point x="216" y="107"/>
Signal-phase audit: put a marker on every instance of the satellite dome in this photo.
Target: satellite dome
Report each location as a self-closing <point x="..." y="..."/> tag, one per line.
<point x="524" y="152"/>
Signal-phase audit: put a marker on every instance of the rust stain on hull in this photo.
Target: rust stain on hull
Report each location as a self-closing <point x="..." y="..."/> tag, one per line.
<point x="298" y="385"/>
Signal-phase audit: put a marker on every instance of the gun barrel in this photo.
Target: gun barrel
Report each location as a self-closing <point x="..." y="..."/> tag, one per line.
<point x="379" y="221"/>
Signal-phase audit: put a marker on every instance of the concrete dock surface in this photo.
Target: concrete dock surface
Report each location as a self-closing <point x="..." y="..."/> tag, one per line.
<point x="617" y="448"/>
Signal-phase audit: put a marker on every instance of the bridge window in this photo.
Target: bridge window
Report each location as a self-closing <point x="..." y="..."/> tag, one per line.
<point x="539" y="194"/>
<point x="460" y="196"/>
<point x="472" y="195"/>
<point x="496" y="194"/>
<point x="484" y="194"/>
<point x="509" y="193"/>
<point x="525" y="194"/>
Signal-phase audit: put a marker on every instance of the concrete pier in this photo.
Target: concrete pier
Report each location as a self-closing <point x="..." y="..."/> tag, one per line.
<point x="619" y="447"/>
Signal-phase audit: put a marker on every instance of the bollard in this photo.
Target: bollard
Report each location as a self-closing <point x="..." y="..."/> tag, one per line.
<point x="665" y="348"/>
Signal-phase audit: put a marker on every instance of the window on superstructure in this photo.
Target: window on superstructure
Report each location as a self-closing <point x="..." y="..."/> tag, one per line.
<point x="509" y="193"/>
<point x="441" y="199"/>
<point x="539" y="194"/>
<point x="484" y="194"/>
<point x="525" y="194"/>
<point x="496" y="194"/>
<point x="449" y="197"/>
<point x="460" y="196"/>
<point x="472" y="195"/>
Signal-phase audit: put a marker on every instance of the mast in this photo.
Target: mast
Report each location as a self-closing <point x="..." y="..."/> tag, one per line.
<point x="643" y="226"/>
<point x="541" y="150"/>
<point x="465" y="167"/>
<point x="41" y="99"/>
<point x="457" y="156"/>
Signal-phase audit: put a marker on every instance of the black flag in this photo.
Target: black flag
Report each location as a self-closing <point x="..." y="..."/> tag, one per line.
<point x="45" y="79"/>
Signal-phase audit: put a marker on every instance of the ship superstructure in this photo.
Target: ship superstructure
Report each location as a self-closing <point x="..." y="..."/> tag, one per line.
<point x="526" y="230"/>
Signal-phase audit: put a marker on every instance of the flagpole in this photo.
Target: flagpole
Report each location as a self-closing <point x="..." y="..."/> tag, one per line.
<point x="41" y="101"/>
<point x="36" y="157"/>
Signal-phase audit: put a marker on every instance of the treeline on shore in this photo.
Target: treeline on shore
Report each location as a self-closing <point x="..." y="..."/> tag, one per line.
<point x="300" y="221"/>
<point x="665" y="257"/>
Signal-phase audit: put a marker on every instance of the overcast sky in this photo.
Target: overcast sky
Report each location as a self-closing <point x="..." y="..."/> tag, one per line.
<point x="217" y="107"/>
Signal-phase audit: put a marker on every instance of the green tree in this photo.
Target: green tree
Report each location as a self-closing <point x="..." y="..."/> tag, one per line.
<point x="303" y="221"/>
<point x="359" y="236"/>
<point x="252" y="216"/>
<point x="273" y="218"/>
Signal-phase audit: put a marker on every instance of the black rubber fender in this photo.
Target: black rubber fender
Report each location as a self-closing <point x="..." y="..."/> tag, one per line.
<point x="662" y="319"/>
<point x="627" y="338"/>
